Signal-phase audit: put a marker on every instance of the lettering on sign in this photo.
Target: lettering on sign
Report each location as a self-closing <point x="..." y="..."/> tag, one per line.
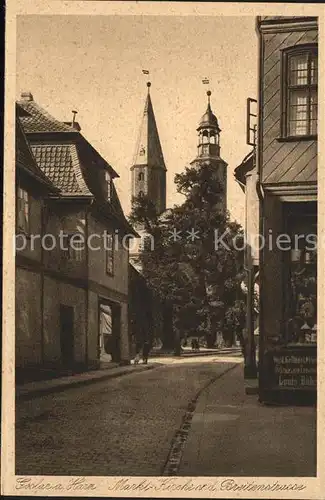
<point x="295" y="371"/>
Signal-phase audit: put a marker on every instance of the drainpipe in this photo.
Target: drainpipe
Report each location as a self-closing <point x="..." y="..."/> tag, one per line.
<point x="260" y="194"/>
<point x="250" y="370"/>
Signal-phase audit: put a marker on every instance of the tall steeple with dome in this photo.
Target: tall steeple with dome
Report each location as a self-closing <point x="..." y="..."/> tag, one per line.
<point x="208" y="149"/>
<point x="148" y="169"/>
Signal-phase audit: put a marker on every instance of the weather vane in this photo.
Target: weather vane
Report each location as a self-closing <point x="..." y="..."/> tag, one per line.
<point x="146" y="72"/>
<point x="206" y="81"/>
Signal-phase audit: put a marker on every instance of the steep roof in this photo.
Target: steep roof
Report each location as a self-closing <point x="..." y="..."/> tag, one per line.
<point x="25" y="159"/>
<point x="37" y="120"/>
<point x="69" y="161"/>
<point x="148" y="149"/>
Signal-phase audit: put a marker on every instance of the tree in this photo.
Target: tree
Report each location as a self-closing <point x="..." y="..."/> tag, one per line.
<point x="195" y="263"/>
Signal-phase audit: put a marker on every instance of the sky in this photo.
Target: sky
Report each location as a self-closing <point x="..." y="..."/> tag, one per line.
<point x="93" y="64"/>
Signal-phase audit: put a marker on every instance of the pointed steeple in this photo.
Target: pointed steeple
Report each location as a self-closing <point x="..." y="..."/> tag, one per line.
<point x="149" y="169"/>
<point x="148" y="149"/>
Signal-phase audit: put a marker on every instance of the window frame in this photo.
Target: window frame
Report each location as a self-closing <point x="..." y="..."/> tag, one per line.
<point x="109" y="254"/>
<point x="23" y="230"/>
<point x="70" y="254"/>
<point x="286" y="88"/>
<point x="108" y="180"/>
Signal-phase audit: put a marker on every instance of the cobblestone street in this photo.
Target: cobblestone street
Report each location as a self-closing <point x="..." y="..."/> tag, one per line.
<point x="123" y="426"/>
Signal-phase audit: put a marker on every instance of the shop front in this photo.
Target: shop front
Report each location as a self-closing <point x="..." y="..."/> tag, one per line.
<point x="288" y="328"/>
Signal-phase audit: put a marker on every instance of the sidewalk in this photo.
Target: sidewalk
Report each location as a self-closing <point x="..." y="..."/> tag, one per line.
<point x="39" y="388"/>
<point x="187" y="352"/>
<point x="233" y="435"/>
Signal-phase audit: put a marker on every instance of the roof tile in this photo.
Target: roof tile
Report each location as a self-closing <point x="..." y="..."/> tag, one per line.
<point x="61" y="165"/>
<point x="40" y="120"/>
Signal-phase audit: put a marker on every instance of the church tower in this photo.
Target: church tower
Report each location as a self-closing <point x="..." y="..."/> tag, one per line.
<point x="208" y="149"/>
<point x="148" y="169"/>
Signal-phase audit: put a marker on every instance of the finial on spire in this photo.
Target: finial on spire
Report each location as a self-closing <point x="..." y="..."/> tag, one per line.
<point x="209" y="95"/>
<point x="148" y="85"/>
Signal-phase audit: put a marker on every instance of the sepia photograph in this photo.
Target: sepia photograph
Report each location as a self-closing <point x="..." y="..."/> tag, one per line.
<point x="165" y="252"/>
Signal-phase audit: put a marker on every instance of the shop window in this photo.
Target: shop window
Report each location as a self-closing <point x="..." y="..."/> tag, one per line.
<point x="302" y="307"/>
<point x="299" y="102"/>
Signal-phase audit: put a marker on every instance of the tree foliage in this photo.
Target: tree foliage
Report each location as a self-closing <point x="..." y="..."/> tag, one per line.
<point x="188" y="266"/>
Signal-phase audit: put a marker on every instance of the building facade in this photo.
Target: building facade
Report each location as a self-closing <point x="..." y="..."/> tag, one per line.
<point x="287" y="186"/>
<point x="83" y="260"/>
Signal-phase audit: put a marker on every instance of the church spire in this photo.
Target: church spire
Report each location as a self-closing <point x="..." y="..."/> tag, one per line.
<point x="148" y="169"/>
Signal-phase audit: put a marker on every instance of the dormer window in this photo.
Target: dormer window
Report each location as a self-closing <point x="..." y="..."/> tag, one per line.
<point x="108" y="180"/>
<point x="300" y="79"/>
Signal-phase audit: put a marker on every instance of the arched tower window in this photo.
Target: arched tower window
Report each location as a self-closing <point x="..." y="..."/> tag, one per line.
<point x="141" y="194"/>
<point x="141" y="176"/>
<point x="205" y="138"/>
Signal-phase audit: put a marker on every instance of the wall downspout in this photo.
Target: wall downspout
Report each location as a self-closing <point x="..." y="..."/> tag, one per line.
<point x="260" y="194"/>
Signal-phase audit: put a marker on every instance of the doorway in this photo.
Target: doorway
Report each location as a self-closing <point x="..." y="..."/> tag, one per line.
<point x="109" y="331"/>
<point x="67" y="334"/>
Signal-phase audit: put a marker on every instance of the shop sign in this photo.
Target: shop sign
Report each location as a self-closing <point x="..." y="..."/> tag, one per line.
<point x="293" y="369"/>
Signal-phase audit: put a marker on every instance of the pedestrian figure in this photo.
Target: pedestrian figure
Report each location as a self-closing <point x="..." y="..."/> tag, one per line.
<point x="137" y="358"/>
<point x="145" y="352"/>
<point x="193" y="344"/>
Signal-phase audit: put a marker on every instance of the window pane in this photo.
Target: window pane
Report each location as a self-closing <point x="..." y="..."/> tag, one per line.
<point x="23" y="210"/>
<point x="109" y="255"/>
<point x="313" y="112"/>
<point x="298" y="113"/>
<point x="299" y="70"/>
<point x="314" y="69"/>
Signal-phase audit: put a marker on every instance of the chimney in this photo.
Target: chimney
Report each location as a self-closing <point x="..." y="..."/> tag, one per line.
<point x="74" y="124"/>
<point x="26" y="96"/>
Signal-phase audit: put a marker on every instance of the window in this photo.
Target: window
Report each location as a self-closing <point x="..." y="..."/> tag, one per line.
<point x="108" y="185"/>
<point x="73" y="247"/>
<point x="76" y="247"/>
<point x="141" y="176"/>
<point x="142" y="151"/>
<point x="300" y="96"/>
<point x="302" y="273"/>
<point x="141" y="194"/>
<point x="23" y="209"/>
<point x="110" y="254"/>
